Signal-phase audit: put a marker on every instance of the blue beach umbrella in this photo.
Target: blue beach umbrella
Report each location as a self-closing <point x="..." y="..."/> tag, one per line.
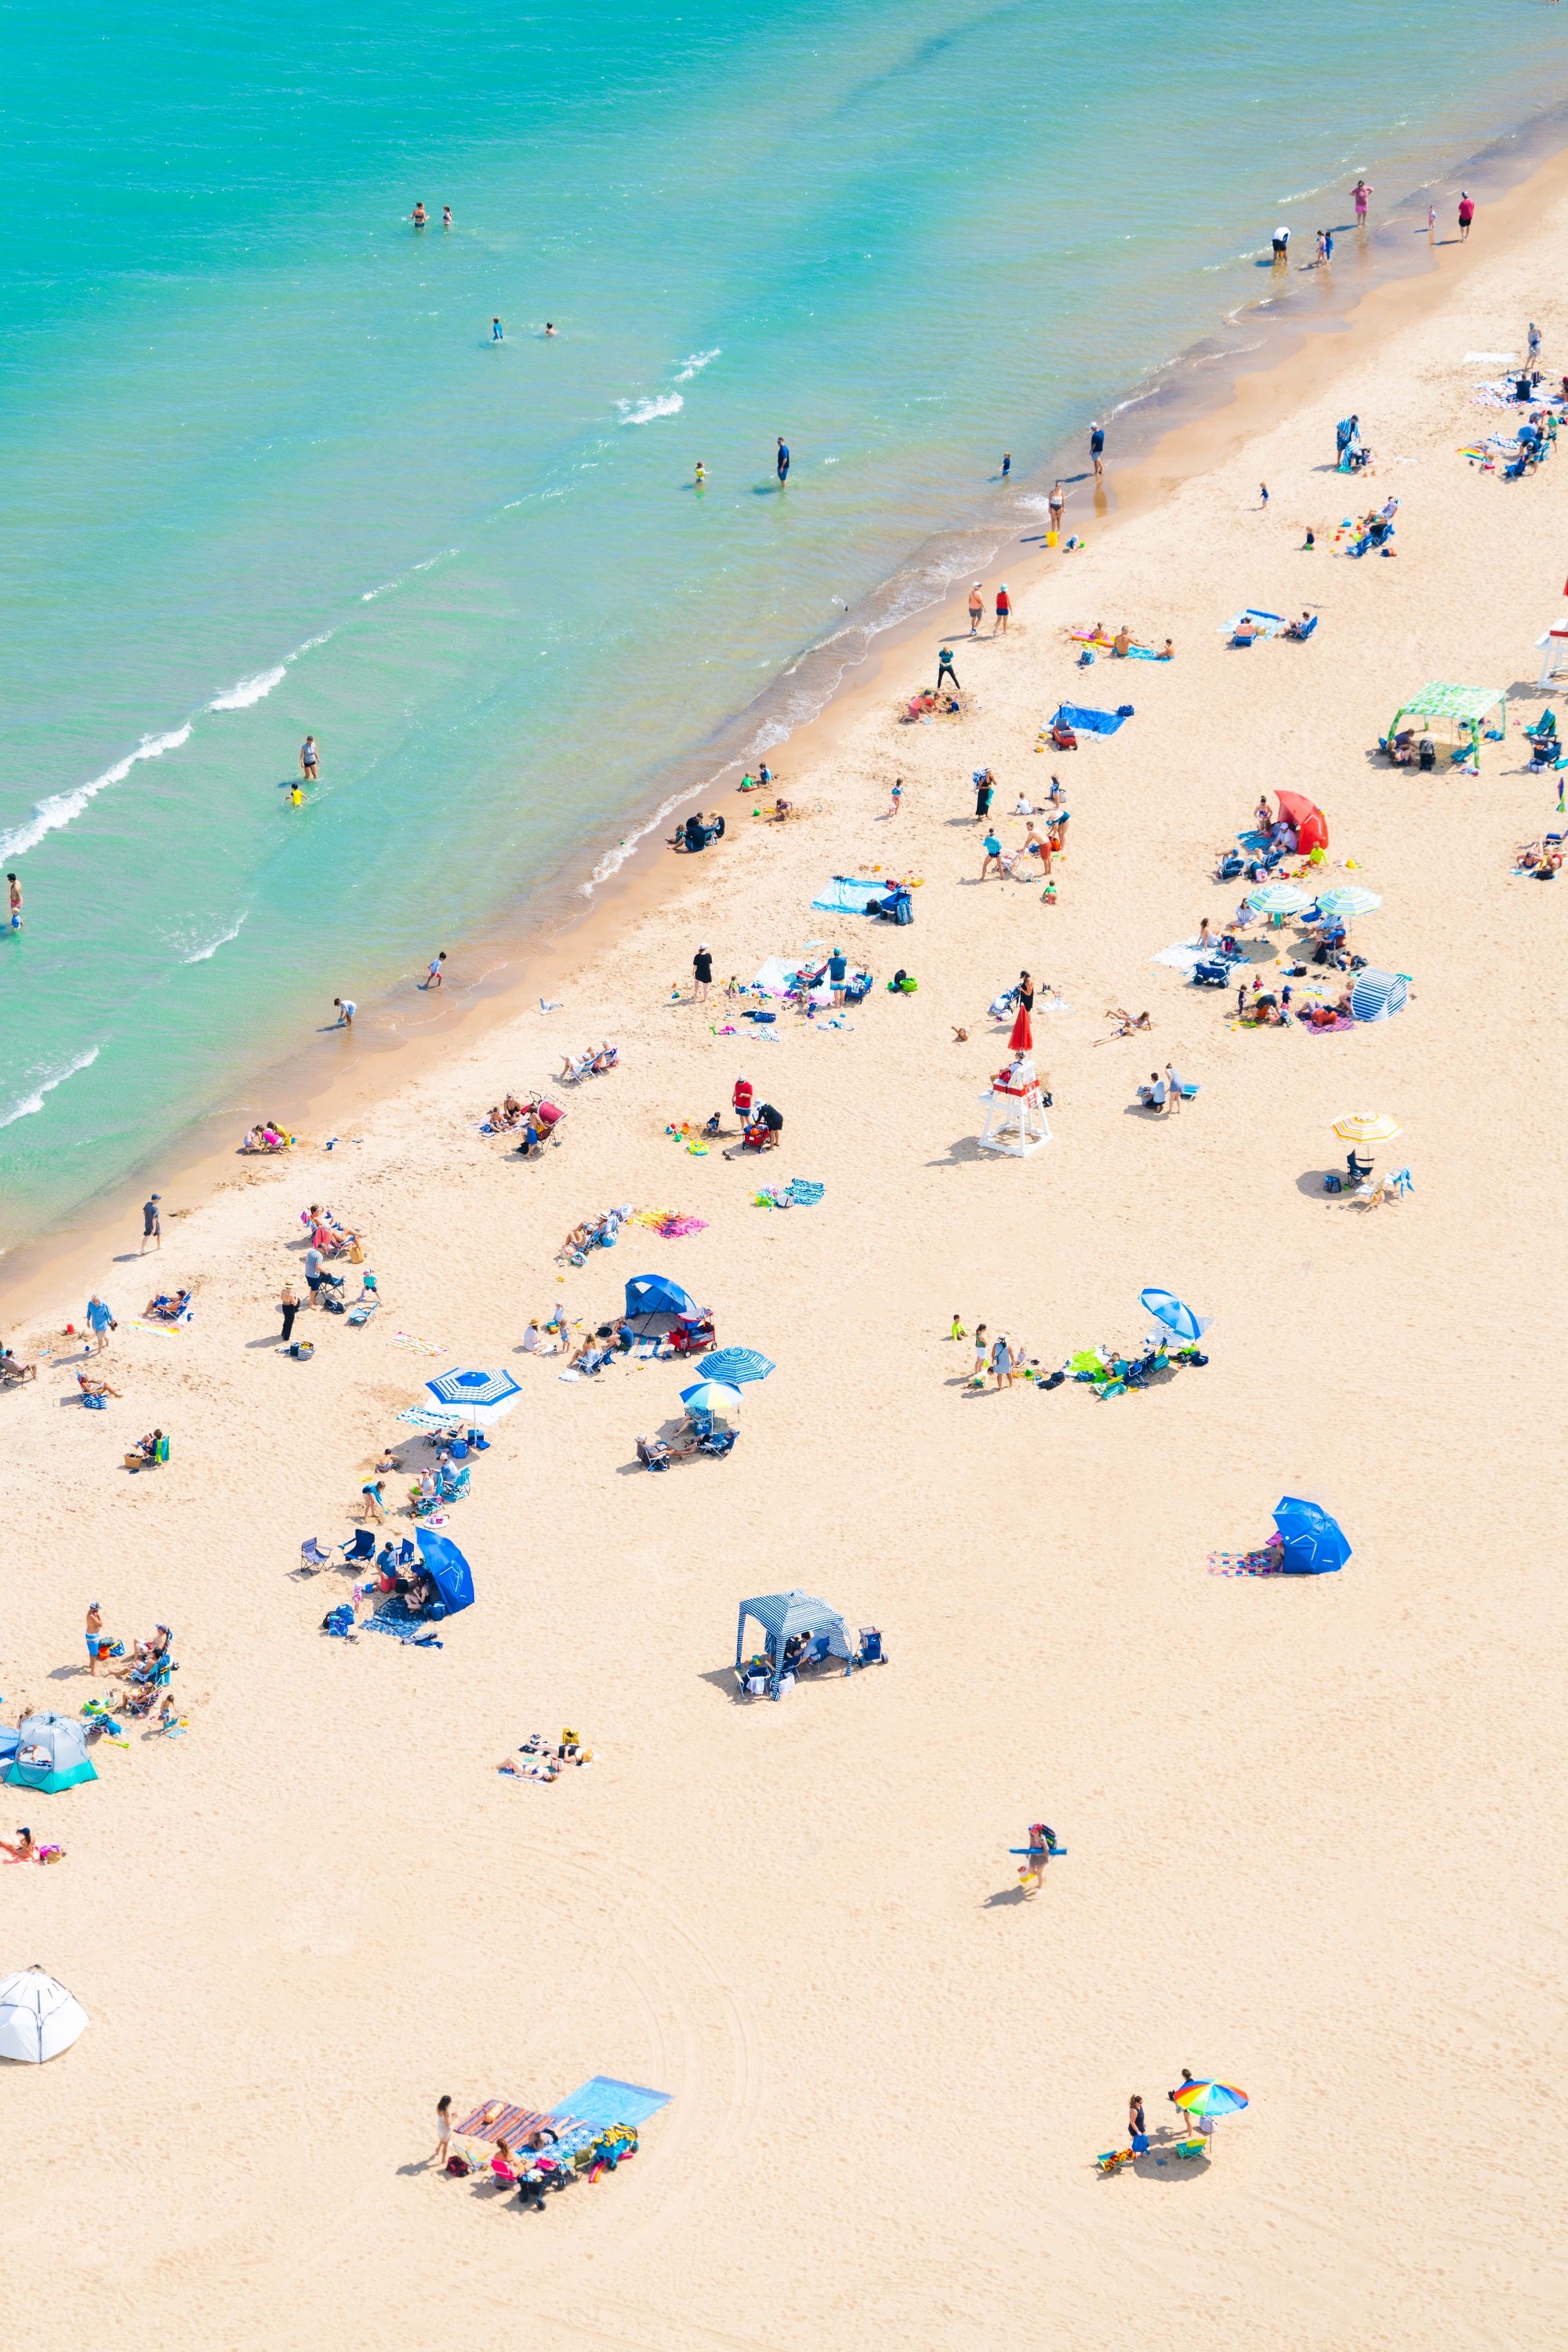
<point x="710" y="1396"/>
<point x="736" y="1364"/>
<point x="447" y="1569"/>
<point x="1315" y="1543"/>
<point x="1178" y="1319"/>
<point x="473" y="1388"/>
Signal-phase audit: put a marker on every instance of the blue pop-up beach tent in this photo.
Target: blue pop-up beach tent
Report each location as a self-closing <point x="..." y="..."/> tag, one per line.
<point x="655" y="1294"/>
<point x="50" y="1754"/>
<point x="1086" y="721"/>
<point x="447" y="1569"/>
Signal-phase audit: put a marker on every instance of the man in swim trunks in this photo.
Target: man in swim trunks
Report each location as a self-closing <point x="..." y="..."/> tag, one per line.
<point x="308" y="759"/>
<point x="1097" y="447"/>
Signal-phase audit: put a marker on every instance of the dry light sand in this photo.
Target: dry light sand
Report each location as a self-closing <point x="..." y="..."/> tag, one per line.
<point x="1314" y="1827"/>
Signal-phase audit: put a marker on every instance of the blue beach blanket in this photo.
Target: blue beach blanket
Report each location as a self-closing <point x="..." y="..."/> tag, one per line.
<point x="1085" y="721"/>
<point x="843" y="896"/>
<point x="394" y="1619"/>
<point x="603" y="2101"/>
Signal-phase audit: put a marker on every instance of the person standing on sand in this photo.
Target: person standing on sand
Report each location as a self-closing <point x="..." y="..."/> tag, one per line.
<point x="897" y="796"/>
<point x="944" y="668"/>
<point x="701" y="972"/>
<point x="982" y="1354"/>
<point x="985" y="786"/>
<point x="289" y="1304"/>
<point x="99" y="1320"/>
<point x="152" y="1224"/>
<point x="837" y="973"/>
<point x="976" y="610"/>
<point x="308" y="759"/>
<point x="1004" y="610"/>
<point x="443" y="2130"/>
<point x="1467" y="214"/>
<point x="94" y="1627"/>
<point x="1097" y="447"/>
<point x="1057" y="504"/>
<point x="1360" y="196"/>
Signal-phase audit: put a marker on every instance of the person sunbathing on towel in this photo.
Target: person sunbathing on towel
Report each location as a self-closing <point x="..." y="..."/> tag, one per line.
<point x="1167" y="652"/>
<point x="1126" y="1026"/>
<point x="92" y="1384"/>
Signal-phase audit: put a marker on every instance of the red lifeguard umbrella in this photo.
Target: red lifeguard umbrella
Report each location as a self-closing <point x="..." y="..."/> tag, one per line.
<point x="1023" y="1037"/>
<point x="1311" y="825"/>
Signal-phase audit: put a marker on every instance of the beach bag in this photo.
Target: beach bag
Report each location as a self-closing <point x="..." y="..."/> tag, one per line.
<point x="356" y="1256"/>
<point x="458" y="2165"/>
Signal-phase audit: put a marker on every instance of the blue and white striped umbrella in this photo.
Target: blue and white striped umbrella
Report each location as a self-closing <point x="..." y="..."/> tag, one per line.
<point x="1348" y="900"/>
<point x="710" y="1396"/>
<point x="1379" y="995"/>
<point x="736" y="1364"/>
<point x="1278" y="898"/>
<point x="1178" y="1319"/>
<point x="473" y="1388"/>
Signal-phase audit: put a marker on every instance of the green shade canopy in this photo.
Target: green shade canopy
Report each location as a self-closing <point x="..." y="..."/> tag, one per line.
<point x="1464" y="706"/>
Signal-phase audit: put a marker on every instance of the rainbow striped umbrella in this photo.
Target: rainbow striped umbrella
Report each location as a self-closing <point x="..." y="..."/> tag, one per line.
<point x="1211" y="2098"/>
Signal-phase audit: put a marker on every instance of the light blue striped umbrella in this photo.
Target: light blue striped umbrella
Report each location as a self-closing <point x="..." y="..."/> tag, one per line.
<point x="1349" y="900"/>
<point x="1278" y="898"/>
<point x="710" y="1396"/>
<point x="736" y="1364"/>
<point x="1379" y="995"/>
<point x="473" y="1388"/>
<point x="1178" y="1319"/>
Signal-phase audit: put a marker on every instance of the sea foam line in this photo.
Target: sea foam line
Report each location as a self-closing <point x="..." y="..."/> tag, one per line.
<point x="695" y="364"/>
<point x="26" y="1106"/>
<point x="249" y="689"/>
<point x="643" y="412"/>
<point x="222" y="941"/>
<point x="63" y="808"/>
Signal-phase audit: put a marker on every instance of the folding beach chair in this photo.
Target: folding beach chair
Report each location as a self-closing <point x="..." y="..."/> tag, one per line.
<point x="360" y="1546"/>
<point x="311" y="1556"/>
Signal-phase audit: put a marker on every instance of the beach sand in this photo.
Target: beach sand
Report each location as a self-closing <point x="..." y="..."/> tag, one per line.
<point x="1313" y="1845"/>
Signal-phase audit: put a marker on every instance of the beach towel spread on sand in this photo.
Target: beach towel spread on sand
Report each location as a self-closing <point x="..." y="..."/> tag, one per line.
<point x="1085" y="721"/>
<point x="844" y="897"/>
<point x="1265" y="624"/>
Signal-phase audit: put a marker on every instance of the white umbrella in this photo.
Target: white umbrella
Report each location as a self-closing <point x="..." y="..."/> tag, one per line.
<point x="39" y="2018"/>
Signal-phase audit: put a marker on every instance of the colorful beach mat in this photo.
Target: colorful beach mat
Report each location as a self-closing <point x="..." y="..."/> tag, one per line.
<point x="1263" y="1562"/>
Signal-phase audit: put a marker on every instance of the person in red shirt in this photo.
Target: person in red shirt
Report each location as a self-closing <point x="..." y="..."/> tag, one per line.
<point x="1467" y="214"/>
<point x="742" y="1101"/>
<point x="1003" y="609"/>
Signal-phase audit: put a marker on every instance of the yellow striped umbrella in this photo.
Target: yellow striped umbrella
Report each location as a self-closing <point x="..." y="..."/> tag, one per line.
<point x="1367" y="1127"/>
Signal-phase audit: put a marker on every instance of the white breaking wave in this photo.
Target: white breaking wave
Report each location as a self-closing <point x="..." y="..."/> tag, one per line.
<point x="63" y="808"/>
<point x="694" y="366"/>
<point x="222" y="941"/>
<point x="249" y="689"/>
<point x="643" y="412"/>
<point x="27" y="1106"/>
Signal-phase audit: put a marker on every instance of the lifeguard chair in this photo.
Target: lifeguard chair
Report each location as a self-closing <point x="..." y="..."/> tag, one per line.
<point x="1015" y="1121"/>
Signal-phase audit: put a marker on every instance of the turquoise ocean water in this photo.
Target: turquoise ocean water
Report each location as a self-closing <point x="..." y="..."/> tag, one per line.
<point x="265" y="470"/>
